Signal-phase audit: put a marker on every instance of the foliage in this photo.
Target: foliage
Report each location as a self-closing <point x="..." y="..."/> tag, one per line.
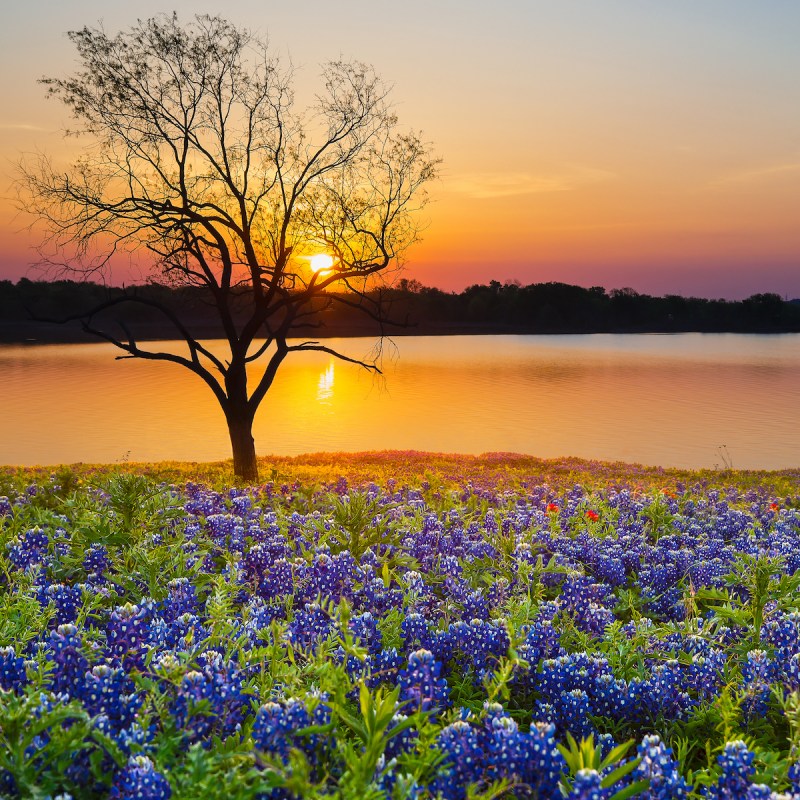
<point x="536" y="308"/>
<point x="434" y="638"/>
<point x="586" y="755"/>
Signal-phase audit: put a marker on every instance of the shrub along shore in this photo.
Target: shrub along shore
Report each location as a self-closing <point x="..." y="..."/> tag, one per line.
<point x="393" y="625"/>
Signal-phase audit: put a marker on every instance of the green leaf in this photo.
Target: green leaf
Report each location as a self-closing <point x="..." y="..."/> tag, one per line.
<point x="631" y="791"/>
<point x="619" y="773"/>
<point x="616" y="754"/>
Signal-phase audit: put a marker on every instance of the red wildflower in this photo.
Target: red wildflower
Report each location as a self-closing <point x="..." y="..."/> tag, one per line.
<point x="774" y="507"/>
<point x="592" y="515"/>
<point x="552" y="508"/>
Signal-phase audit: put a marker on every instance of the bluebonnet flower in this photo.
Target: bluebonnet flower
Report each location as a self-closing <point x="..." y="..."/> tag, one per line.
<point x="794" y="777"/>
<point x="460" y="626"/>
<point x="128" y="633"/>
<point x="481" y="643"/>
<point x="381" y="668"/>
<point x="545" y="765"/>
<point x="134" y="737"/>
<point x="331" y="576"/>
<point x="611" y="569"/>
<point x="400" y="742"/>
<point x="588" y="602"/>
<point x="210" y="699"/>
<point x="758" y="672"/>
<point x="594" y="619"/>
<point x="96" y="561"/>
<point x="450" y="566"/>
<point x="273" y="725"/>
<point x="609" y="696"/>
<point x="499" y="592"/>
<point x="378" y="598"/>
<point x="192" y="709"/>
<point x="6" y="509"/>
<point x="508" y="749"/>
<point x="185" y="631"/>
<point x="109" y="692"/>
<point x="657" y="766"/>
<point x="182" y="599"/>
<point x="276" y="581"/>
<point x="70" y="664"/>
<point x="364" y="629"/>
<point x="568" y="672"/>
<point x="736" y="763"/>
<point x="241" y="505"/>
<point x="30" y="549"/>
<point x="278" y="727"/>
<point x="572" y="710"/>
<point x="257" y="560"/>
<point x="221" y="527"/>
<point x="706" y="673"/>
<point x="139" y="780"/>
<point x="667" y="604"/>
<point x="309" y="626"/>
<point x="421" y="688"/>
<point x="66" y="600"/>
<point x="8" y="785"/>
<point x="541" y="642"/>
<point x="664" y="692"/>
<point x="12" y="670"/>
<point x="261" y="532"/>
<point x="586" y="786"/>
<point x="475" y="606"/>
<point x="414" y="631"/>
<point x="463" y="761"/>
<point x="259" y="616"/>
<point x="414" y="582"/>
<point x="707" y="573"/>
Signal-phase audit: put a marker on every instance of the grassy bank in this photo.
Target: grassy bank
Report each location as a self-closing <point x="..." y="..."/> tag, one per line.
<point x="500" y="470"/>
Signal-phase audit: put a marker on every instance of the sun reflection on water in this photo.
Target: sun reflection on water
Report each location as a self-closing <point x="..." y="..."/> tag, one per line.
<point x="668" y="400"/>
<point x="325" y="385"/>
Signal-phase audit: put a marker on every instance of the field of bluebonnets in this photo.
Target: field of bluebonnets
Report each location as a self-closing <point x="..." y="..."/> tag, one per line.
<point x="412" y="637"/>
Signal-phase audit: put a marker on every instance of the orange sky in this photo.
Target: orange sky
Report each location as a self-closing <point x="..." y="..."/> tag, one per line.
<point x="645" y="144"/>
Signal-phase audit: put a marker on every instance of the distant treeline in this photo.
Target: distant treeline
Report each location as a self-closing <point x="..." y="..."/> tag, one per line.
<point x="491" y="308"/>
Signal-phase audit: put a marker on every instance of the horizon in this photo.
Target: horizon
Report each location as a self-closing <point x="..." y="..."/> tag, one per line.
<point x="608" y="290"/>
<point x="633" y="145"/>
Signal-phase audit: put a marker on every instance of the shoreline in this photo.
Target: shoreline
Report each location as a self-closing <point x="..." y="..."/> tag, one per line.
<point x="445" y="470"/>
<point x="21" y="334"/>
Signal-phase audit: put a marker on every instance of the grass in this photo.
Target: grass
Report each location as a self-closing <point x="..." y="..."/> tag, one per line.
<point x="498" y="470"/>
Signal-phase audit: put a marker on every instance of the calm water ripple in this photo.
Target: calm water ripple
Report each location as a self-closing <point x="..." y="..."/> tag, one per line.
<point x="668" y="400"/>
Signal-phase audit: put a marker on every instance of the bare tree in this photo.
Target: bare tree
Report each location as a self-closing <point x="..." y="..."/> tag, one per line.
<point x="198" y="155"/>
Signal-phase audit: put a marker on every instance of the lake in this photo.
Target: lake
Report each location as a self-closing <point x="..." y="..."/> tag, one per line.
<point x="689" y="400"/>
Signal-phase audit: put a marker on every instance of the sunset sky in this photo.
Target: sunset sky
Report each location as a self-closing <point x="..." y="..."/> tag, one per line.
<point x="645" y="143"/>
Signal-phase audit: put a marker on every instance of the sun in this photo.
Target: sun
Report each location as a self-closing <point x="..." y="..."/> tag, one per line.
<point x="321" y="262"/>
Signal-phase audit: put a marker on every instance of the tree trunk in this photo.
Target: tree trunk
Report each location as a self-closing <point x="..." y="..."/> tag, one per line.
<point x="243" y="446"/>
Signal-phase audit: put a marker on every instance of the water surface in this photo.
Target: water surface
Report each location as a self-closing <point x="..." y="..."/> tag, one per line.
<point x="667" y="400"/>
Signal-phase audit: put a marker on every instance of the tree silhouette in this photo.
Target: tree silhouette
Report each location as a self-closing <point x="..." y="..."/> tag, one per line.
<point x="198" y="154"/>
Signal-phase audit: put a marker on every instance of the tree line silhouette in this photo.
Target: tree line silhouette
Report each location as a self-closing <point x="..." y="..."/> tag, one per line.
<point x="27" y="307"/>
